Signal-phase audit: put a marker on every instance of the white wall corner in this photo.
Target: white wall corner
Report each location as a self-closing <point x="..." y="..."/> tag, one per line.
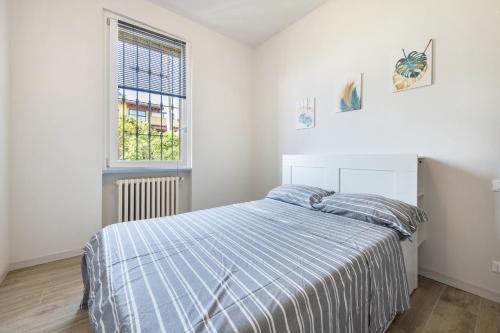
<point x="4" y="139"/>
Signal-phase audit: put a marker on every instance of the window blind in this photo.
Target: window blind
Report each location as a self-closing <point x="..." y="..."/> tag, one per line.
<point x="150" y="62"/>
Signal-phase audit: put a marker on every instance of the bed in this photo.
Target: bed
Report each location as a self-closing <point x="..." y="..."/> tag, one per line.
<point x="260" y="266"/>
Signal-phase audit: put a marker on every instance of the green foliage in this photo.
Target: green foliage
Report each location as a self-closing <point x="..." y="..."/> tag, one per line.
<point x="412" y="65"/>
<point x="137" y="145"/>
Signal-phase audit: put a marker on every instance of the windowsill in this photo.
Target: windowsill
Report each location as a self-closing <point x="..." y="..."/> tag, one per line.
<point x="115" y="171"/>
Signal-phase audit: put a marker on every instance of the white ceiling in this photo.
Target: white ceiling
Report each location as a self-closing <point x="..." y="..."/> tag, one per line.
<point x="250" y="21"/>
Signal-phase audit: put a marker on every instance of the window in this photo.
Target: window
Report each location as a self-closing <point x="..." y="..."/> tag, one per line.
<point x="148" y="114"/>
<point x="139" y="115"/>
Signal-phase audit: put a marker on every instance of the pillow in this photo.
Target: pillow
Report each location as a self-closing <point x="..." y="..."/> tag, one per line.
<point x="301" y="195"/>
<point x="376" y="209"/>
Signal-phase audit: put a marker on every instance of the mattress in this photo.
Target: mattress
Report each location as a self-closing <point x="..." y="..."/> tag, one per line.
<point x="261" y="266"/>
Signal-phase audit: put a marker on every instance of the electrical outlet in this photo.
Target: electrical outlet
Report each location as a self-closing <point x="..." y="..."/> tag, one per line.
<point x="495" y="266"/>
<point x="495" y="185"/>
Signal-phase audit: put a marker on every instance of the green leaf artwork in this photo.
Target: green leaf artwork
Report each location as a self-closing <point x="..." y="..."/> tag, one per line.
<point x="411" y="71"/>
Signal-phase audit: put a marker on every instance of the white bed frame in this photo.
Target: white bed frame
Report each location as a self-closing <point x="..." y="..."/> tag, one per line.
<point x="393" y="176"/>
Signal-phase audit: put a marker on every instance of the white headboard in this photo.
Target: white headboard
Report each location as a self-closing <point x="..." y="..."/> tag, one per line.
<point x="393" y="176"/>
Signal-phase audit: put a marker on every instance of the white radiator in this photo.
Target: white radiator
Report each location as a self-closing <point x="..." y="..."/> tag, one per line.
<point x="146" y="198"/>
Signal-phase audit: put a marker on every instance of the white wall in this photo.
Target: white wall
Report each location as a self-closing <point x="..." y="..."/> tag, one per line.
<point x="4" y="71"/>
<point x="455" y="122"/>
<point x="57" y="111"/>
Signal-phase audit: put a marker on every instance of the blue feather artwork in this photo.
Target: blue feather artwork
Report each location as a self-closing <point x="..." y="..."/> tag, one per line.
<point x="350" y="96"/>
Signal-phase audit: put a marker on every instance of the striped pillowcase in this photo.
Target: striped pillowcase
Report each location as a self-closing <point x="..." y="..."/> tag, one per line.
<point x="301" y="195"/>
<point x="375" y="209"/>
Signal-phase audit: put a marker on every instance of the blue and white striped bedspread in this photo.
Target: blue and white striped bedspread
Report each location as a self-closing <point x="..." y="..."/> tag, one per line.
<point x="262" y="266"/>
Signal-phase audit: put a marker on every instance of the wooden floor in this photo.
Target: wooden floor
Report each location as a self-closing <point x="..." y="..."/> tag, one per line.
<point x="45" y="298"/>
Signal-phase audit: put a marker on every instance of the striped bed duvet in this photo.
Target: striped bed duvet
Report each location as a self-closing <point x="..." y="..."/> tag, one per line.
<point x="261" y="266"/>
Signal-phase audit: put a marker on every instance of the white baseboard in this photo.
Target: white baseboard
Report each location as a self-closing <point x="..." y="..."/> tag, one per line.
<point x="44" y="259"/>
<point x="466" y="286"/>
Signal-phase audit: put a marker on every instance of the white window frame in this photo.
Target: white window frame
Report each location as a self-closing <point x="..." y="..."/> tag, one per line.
<point x="111" y="158"/>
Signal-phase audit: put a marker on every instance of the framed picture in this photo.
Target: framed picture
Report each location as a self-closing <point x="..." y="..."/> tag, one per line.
<point x="413" y="67"/>
<point x="305" y="113"/>
<point x="349" y="94"/>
